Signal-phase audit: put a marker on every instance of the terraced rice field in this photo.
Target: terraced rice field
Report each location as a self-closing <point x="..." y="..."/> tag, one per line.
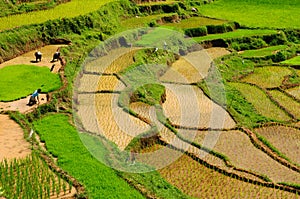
<point x="263" y="51"/>
<point x="182" y="71"/>
<point x="285" y="139"/>
<point x="293" y="61"/>
<point x="243" y="154"/>
<point x="199" y="181"/>
<point x="180" y="108"/>
<point x="114" y="62"/>
<point x="268" y="77"/>
<point x="144" y="110"/>
<point x="294" y="91"/>
<point x="122" y="127"/>
<point x="261" y="102"/>
<point x="291" y="105"/>
<point x="194" y="22"/>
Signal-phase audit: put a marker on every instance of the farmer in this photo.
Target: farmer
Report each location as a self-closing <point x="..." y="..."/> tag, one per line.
<point x="38" y="56"/>
<point x="34" y="98"/>
<point x="56" y="55"/>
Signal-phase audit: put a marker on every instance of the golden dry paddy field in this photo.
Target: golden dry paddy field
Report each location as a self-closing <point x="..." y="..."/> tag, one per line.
<point x="115" y="61"/>
<point x="243" y="154"/>
<point x="285" y="139"/>
<point x="199" y="181"/>
<point x="93" y="83"/>
<point x="294" y="92"/>
<point x="182" y="71"/>
<point x="188" y="106"/>
<point x="115" y="124"/>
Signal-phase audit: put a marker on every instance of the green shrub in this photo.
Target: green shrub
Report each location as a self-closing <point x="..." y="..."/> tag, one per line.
<point x="196" y="32"/>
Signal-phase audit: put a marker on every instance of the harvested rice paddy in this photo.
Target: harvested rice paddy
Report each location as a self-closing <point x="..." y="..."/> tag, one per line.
<point x="122" y="127"/>
<point x="285" y="139"/>
<point x="180" y="108"/>
<point x="199" y="181"/>
<point x="243" y="154"/>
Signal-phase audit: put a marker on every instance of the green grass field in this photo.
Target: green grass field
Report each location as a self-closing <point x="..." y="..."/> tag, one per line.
<point x="236" y="34"/>
<point x="194" y="22"/>
<point x="263" y="51"/>
<point x="67" y="10"/>
<point x="291" y="105"/>
<point x="293" y="61"/>
<point x="268" y="76"/>
<point x="261" y="102"/>
<point x="138" y="22"/>
<point x="19" y="81"/>
<point x="256" y="13"/>
<point x="62" y="141"/>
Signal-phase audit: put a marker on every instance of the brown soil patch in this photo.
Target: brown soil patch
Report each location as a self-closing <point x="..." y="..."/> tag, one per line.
<point x="216" y="52"/>
<point x="188" y="106"/>
<point x="243" y="154"/>
<point x="285" y="139"/>
<point x="21" y="105"/>
<point x="29" y="58"/>
<point x="12" y="142"/>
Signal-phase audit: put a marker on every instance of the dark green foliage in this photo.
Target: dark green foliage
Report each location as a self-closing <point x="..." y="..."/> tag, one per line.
<point x="196" y="32"/>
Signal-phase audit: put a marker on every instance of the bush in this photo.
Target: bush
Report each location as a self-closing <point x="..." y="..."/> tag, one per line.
<point x="196" y="32"/>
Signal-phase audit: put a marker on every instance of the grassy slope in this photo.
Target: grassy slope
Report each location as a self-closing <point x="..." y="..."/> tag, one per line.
<point x="62" y="141"/>
<point x="235" y="34"/>
<point x="256" y="13"/>
<point x="194" y="22"/>
<point x="293" y="61"/>
<point x="21" y="80"/>
<point x="67" y="10"/>
<point x="263" y="52"/>
<point x="99" y="180"/>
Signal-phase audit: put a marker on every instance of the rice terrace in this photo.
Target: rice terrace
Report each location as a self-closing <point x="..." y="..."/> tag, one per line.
<point x="149" y="99"/>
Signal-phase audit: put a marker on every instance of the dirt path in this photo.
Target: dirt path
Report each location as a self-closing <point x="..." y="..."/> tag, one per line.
<point x="29" y="58"/>
<point x="12" y="142"/>
<point x="21" y="105"/>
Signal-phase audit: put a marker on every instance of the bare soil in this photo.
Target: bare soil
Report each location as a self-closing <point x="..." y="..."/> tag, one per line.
<point x="21" y="105"/>
<point x="12" y="142"/>
<point x="29" y="58"/>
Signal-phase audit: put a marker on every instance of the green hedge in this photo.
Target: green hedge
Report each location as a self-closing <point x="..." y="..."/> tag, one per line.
<point x="211" y="29"/>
